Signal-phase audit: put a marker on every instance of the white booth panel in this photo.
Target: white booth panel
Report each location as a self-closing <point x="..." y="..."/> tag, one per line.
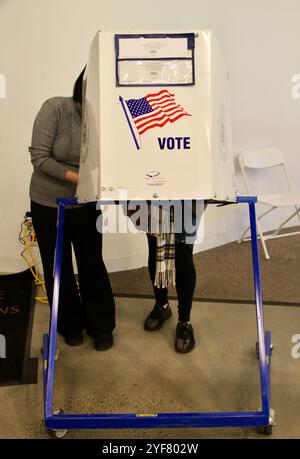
<point x="156" y="118"/>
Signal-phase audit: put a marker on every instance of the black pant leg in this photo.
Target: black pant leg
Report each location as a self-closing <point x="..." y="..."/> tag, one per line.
<point x="95" y="289"/>
<point x="69" y="310"/>
<point x="161" y="294"/>
<point x="44" y="221"/>
<point x="185" y="279"/>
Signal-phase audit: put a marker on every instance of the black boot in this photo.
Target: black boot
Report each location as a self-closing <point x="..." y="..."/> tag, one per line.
<point x="157" y="317"/>
<point x="185" y="341"/>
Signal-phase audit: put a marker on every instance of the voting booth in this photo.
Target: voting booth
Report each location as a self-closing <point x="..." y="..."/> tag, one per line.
<point x="156" y="118"/>
<point x="156" y="126"/>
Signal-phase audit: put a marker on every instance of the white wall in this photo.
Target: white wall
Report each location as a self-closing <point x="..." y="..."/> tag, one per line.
<point x="44" y="45"/>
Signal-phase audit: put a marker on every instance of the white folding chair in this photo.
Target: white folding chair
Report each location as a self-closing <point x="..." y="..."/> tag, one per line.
<point x="262" y="159"/>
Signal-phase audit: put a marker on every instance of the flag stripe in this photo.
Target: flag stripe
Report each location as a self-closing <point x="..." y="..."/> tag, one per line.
<point x="164" y="105"/>
<point x="164" y="116"/>
<point x="162" y="124"/>
<point x="169" y="112"/>
<point x="169" y="107"/>
<point x="160" y="99"/>
<point x="155" y="114"/>
<point x="156" y="94"/>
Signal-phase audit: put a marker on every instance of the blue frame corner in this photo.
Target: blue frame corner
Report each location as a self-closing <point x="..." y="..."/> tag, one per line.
<point x="163" y="420"/>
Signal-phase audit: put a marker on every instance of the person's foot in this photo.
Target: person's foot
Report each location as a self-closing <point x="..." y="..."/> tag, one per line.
<point x="157" y="317"/>
<point x="103" y="341"/>
<point x="185" y="341"/>
<point x="74" y="339"/>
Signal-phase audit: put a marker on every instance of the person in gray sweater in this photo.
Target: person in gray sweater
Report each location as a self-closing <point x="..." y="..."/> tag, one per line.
<point x="55" y="155"/>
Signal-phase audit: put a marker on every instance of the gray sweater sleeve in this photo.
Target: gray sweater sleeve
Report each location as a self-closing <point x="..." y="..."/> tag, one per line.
<point x="43" y="136"/>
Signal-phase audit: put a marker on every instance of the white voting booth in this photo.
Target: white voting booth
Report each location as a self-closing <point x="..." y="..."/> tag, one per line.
<point x="156" y="125"/>
<point x="156" y="118"/>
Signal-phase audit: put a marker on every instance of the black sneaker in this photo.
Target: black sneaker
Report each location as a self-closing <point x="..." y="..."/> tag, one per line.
<point x="74" y="339"/>
<point x="185" y="341"/>
<point x="103" y="341"/>
<point x="157" y="317"/>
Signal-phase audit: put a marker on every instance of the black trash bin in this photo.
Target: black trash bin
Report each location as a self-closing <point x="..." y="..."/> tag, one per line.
<point x="16" y="319"/>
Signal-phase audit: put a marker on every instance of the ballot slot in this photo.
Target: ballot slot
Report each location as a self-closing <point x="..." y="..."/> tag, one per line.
<point x="155" y="60"/>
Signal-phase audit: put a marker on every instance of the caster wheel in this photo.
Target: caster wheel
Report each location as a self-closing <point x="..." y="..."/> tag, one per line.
<point x="57" y="433"/>
<point x="268" y="430"/>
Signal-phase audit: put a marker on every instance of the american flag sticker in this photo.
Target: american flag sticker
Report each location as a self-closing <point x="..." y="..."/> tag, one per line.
<point x="153" y="110"/>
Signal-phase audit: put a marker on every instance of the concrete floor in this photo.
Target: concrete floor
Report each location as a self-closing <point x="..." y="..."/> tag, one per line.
<point x="143" y="373"/>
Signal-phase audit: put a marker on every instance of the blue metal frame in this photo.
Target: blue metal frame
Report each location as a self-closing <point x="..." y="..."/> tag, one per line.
<point x="163" y="420"/>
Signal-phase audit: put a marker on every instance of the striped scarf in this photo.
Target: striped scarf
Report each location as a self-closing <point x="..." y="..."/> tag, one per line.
<point x="165" y="250"/>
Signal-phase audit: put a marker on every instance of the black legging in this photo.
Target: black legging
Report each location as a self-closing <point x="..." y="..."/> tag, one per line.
<point x="94" y="307"/>
<point x="185" y="277"/>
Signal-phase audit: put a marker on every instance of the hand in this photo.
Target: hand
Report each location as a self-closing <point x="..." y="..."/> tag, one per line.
<point x="72" y="177"/>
